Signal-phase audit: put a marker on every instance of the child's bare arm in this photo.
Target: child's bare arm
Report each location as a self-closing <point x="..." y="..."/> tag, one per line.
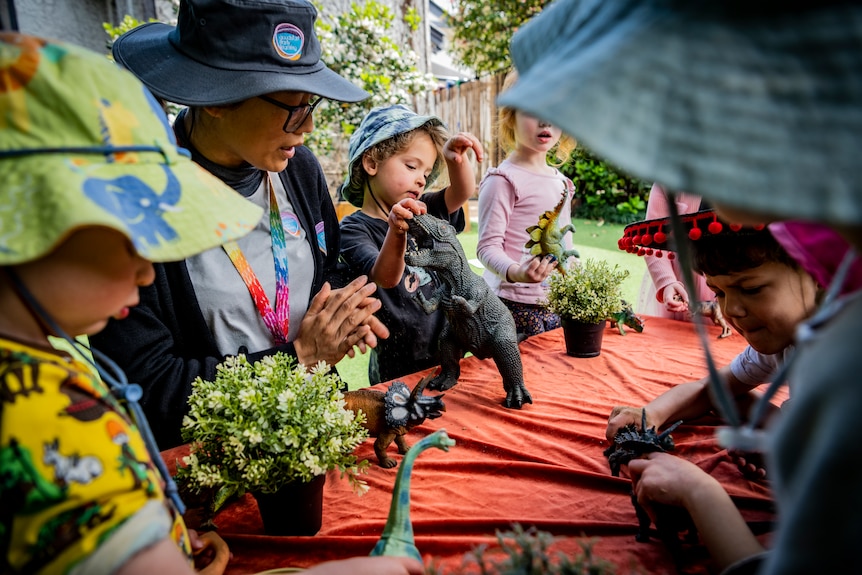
<point x="670" y="480"/>
<point x="389" y="267"/>
<point x="684" y="401"/>
<point x="462" y="180"/>
<point x="162" y="557"/>
<point x="369" y="566"/>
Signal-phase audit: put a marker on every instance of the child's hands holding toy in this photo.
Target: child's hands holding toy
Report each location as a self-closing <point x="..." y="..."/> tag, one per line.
<point x="403" y="211"/>
<point x="533" y="270"/>
<point x="623" y="415"/>
<point x="675" y="297"/>
<point x="456" y="146"/>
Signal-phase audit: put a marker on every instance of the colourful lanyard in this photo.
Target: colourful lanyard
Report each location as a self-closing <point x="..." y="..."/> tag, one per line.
<point x="277" y="320"/>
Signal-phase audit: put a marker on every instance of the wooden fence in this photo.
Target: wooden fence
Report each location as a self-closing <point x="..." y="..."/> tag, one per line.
<point x="471" y="107"/>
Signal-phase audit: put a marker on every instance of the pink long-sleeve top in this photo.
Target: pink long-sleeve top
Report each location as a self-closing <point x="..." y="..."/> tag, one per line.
<point x="511" y="199"/>
<point x="664" y="271"/>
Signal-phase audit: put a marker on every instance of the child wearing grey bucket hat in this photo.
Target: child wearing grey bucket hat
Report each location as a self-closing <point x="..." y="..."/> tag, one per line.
<point x="756" y="107"/>
<point x="251" y="75"/>
<point x="395" y="154"/>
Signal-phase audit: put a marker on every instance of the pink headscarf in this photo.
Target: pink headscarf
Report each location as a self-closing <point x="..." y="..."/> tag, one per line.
<point x="819" y="251"/>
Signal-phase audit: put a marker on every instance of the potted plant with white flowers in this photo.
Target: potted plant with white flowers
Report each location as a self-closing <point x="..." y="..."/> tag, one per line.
<point x="274" y="429"/>
<point x="584" y="295"/>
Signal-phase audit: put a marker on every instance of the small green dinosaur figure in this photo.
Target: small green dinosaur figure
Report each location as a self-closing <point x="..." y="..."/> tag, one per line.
<point x="626" y="317"/>
<point x="547" y="239"/>
<point x="397" y="538"/>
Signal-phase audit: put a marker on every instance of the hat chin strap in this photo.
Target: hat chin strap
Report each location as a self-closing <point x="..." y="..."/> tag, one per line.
<point x="373" y="197"/>
<point x="111" y="374"/>
<point x="37" y="313"/>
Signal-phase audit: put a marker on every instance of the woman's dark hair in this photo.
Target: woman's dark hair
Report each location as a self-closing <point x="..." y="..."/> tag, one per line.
<point x="733" y="252"/>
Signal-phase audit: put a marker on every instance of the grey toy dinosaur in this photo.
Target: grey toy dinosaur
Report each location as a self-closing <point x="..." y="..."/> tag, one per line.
<point x="710" y="309"/>
<point x="479" y="322"/>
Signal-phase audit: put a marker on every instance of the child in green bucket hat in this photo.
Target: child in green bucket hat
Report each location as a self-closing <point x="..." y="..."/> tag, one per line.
<point x="95" y="189"/>
<point x="395" y="155"/>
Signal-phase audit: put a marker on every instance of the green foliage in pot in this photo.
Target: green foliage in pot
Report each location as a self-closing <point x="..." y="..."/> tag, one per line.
<point x="589" y="291"/>
<point x="259" y="426"/>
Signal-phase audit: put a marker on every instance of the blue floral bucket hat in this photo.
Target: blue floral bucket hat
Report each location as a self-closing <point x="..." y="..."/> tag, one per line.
<point x="83" y="143"/>
<point x="756" y="105"/>
<point x="379" y="125"/>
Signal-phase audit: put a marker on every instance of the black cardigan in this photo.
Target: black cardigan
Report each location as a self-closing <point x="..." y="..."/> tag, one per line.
<point x="165" y="342"/>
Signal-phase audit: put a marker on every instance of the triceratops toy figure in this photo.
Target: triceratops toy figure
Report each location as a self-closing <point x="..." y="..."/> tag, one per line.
<point x="390" y="415"/>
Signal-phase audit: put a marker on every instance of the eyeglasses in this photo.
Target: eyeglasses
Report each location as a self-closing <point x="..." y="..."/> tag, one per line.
<point x="296" y="115"/>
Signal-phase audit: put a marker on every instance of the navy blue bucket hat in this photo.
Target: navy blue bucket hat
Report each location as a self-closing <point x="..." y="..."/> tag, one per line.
<point x="754" y="105"/>
<point x="378" y="125"/>
<point x="226" y="51"/>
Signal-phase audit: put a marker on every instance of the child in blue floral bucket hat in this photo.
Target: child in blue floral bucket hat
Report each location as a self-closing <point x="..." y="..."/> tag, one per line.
<point x="395" y="155"/>
<point x="94" y="189"/>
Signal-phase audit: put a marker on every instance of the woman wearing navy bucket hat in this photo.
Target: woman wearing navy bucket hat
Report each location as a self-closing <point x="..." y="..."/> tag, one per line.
<point x="251" y="76"/>
<point x="756" y="107"/>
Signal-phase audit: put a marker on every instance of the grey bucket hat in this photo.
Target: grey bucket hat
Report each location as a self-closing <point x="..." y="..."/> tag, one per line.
<point x="378" y="125"/>
<point x="756" y="105"/>
<point x="224" y="51"/>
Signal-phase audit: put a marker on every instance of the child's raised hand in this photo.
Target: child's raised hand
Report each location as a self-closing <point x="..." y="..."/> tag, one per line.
<point x="456" y="146"/>
<point x="403" y="211"/>
<point x="533" y="271"/>
<point x="675" y="297"/>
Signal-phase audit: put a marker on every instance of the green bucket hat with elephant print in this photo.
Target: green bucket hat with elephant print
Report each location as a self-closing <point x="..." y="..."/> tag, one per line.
<point x="84" y="143"/>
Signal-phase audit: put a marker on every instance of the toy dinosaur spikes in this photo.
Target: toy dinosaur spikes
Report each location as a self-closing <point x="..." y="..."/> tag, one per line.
<point x="547" y="239"/>
<point x="397" y="538"/>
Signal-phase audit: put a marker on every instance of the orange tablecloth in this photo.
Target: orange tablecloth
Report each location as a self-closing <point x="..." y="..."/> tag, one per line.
<point x="541" y="465"/>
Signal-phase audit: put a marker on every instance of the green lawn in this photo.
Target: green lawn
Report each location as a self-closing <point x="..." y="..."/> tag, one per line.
<point x="592" y="239"/>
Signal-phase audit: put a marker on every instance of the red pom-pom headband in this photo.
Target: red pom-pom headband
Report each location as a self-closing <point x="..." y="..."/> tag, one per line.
<point x="650" y="237"/>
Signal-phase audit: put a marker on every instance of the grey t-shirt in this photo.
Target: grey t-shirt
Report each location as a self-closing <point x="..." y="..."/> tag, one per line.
<point x="224" y="299"/>
<point x="753" y="368"/>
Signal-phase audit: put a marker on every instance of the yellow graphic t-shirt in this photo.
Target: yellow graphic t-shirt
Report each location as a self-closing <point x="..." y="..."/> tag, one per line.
<point x="78" y="490"/>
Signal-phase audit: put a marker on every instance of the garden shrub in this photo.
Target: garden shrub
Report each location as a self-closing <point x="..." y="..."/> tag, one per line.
<point x="603" y="192"/>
